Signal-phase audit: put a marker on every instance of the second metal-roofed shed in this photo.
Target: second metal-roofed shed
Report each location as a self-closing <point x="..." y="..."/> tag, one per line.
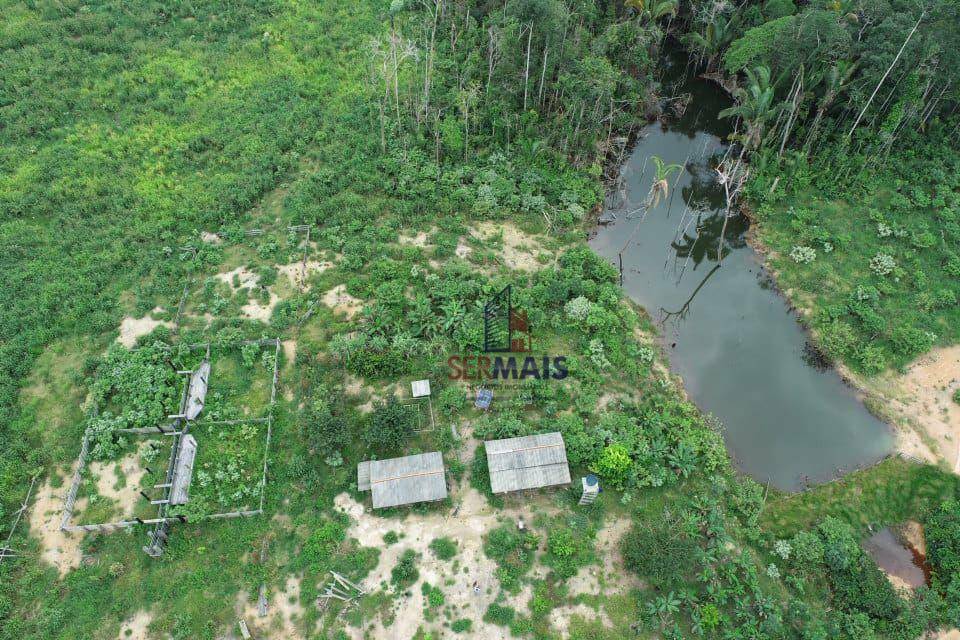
<point x="527" y="462"/>
<point x="407" y="480"/>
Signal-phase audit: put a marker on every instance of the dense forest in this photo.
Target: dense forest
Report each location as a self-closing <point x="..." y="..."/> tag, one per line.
<point x="430" y="145"/>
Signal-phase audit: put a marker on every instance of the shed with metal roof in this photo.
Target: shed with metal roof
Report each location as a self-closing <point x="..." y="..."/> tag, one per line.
<point x="407" y="480"/>
<point x="527" y="462"/>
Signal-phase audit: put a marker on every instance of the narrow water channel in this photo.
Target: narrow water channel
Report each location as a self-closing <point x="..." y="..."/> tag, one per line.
<point x="787" y="418"/>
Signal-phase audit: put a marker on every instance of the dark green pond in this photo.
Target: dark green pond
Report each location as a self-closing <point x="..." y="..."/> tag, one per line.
<point x="787" y="417"/>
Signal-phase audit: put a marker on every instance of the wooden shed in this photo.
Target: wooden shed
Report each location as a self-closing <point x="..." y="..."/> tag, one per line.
<point x="527" y="462"/>
<point x="183" y="471"/>
<point x="407" y="480"/>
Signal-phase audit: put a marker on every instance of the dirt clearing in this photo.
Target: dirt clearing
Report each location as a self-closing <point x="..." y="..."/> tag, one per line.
<point x="342" y="302"/>
<point x="59" y="548"/>
<point x="520" y="250"/>
<point x="135" y="627"/>
<point x="132" y="328"/>
<point x="108" y="481"/>
<point x="922" y="400"/>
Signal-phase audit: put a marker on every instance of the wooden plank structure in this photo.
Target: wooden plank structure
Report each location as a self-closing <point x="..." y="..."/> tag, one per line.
<point x="527" y="462"/>
<point x="407" y="480"/>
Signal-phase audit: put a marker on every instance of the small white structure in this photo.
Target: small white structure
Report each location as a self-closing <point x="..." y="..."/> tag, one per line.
<point x="591" y="489"/>
<point x="420" y="388"/>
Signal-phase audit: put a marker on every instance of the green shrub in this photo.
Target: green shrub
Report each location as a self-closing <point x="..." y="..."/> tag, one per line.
<point x="499" y="615"/>
<point x="463" y="625"/>
<point x="405" y="573"/>
<point x="390" y="427"/>
<point x="443" y="548"/>
<point x="391" y="537"/>
<point x="514" y="552"/>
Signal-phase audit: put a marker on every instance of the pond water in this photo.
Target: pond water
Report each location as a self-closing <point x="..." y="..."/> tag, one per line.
<point x="787" y="417"/>
<point x="895" y="559"/>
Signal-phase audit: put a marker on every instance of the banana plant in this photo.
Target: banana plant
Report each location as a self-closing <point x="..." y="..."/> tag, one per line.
<point x="661" y="184"/>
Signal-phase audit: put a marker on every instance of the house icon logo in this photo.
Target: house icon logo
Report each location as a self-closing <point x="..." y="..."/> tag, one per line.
<point x="505" y="329"/>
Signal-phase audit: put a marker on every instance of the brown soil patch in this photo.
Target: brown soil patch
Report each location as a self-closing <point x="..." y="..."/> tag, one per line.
<point x="59" y="548"/>
<point x="342" y="302"/>
<point x="520" y="250"/>
<point x="132" y="328"/>
<point x="473" y="520"/>
<point x="135" y="627"/>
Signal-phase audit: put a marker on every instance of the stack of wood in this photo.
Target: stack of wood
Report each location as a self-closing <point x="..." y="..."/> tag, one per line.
<point x="340" y="588"/>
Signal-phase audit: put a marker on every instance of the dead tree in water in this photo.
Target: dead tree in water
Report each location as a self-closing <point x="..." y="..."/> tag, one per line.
<point x="732" y="175"/>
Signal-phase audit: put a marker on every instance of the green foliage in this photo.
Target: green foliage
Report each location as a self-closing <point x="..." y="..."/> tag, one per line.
<point x="513" y="551"/>
<point x="463" y="625"/>
<point x="567" y="551"/>
<point x="942" y="533"/>
<point x="323" y="541"/>
<point x="405" y="573"/>
<point x="444" y="548"/>
<point x="434" y="595"/>
<point x="325" y="430"/>
<point x="499" y="614"/>
<point x="390" y="427"/>
<point x="391" y="537"/>
<point x="613" y="465"/>
<point x="659" y="552"/>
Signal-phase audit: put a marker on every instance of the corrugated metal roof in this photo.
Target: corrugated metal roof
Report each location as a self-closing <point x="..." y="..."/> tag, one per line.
<point x="363" y="476"/>
<point x="198" y="390"/>
<point x="183" y="473"/>
<point x="407" y="480"/>
<point x="527" y="462"/>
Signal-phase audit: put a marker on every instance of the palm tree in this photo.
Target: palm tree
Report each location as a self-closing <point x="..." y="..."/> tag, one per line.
<point x="835" y="82"/>
<point x="661" y="186"/>
<point x="755" y="106"/>
<point x="718" y="34"/>
<point x="653" y="10"/>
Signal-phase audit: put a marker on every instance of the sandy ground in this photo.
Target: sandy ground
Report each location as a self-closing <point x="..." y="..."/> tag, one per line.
<point x="135" y="627"/>
<point x="257" y="311"/>
<point x="342" y="302"/>
<point x="284" y="611"/>
<point x="132" y="328"/>
<point x="246" y="279"/>
<point x="467" y="523"/>
<point x="107" y="480"/>
<point x="520" y="250"/>
<point x="474" y="519"/>
<point x="299" y="272"/>
<point x="921" y="400"/>
<point x="419" y="240"/>
<point x="59" y="548"/>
